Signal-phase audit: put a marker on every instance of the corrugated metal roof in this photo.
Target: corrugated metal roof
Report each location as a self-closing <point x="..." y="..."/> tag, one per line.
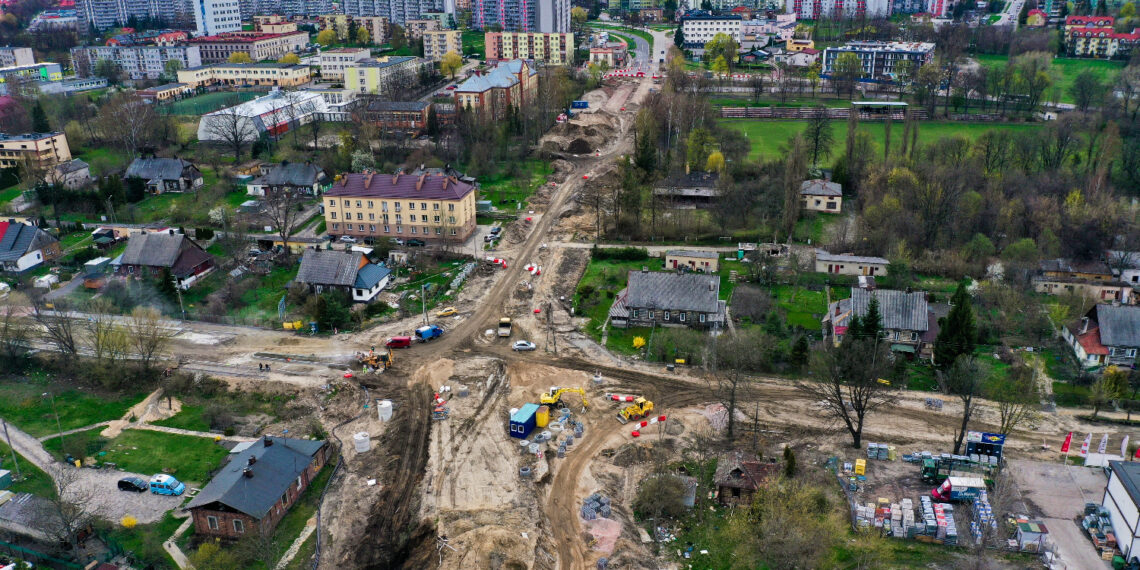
<point x="823" y="255"/>
<point x="153" y="249"/>
<point x="276" y="467"/>
<point x="900" y="310"/>
<point x="673" y="291"/>
<point x="370" y="275"/>
<point x="820" y="187"/>
<point x="1119" y="325"/>
<point x="691" y="253"/>
<point x="524" y="413"/>
<point x="327" y="267"/>
<point x="157" y="168"/>
<point x="293" y="174"/>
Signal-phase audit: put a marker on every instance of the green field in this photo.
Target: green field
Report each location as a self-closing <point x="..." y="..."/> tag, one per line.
<point x="210" y="102"/>
<point x="514" y="186"/>
<point x="23" y="405"/>
<point x="1067" y="70"/>
<point x="770" y="137"/>
<point x="34" y="480"/>
<point x="473" y="43"/>
<point x="187" y="457"/>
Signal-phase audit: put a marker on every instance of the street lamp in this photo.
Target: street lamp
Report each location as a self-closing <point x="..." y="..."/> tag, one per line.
<point x="50" y="397"/>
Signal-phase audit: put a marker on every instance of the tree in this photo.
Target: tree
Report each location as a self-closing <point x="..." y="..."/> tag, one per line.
<point x="450" y="64"/>
<point x="715" y="162"/>
<point x="1086" y="89"/>
<point x="362" y="36"/>
<point x="15" y="329"/>
<point x="39" y="119"/>
<point x="660" y="494"/>
<point x="789" y="462"/>
<point x="795" y="170"/>
<point x="396" y="36"/>
<point x="1016" y="395"/>
<point x="58" y="325"/>
<point x="1112" y="385"/>
<point x="719" y="65"/>
<point x="282" y="209"/>
<point x="131" y="123"/>
<point x="69" y="509"/>
<point x="722" y="45"/>
<point x="171" y="68"/>
<point x="232" y="129"/>
<point x="290" y="59"/>
<point x="846" y="380"/>
<point x="790" y="524"/>
<point x="109" y="70"/>
<point x="326" y="37"/>
<point x="578" y="16"/>
<point x="819" y="135"/>
<point x="107" y="340"/>
<point x="959" y="330"/>
<point x="240" y="57"/>
<point x="679" y="38"/>
<point x="845" y="72"/>
<point x="148" y="334"/>
<point x="965" y="380"/>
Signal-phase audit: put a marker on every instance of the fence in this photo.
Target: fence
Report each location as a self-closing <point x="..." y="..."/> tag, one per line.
<point x="39" y="558"/>
<point x="813" y="112"/>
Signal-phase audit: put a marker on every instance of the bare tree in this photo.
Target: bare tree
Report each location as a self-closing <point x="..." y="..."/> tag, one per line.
<point x="1118" y="261"/>
<point x="731" y="353"/>
<point x="293" y="112"/>
<point x="148" y="334"/>
<point x="106" y="338"/>
<point x="14" y="327"/>
<point x="845" y="381"/>
<point x="130" y="122"/>
<point x="1016" y="396"/>
<point x="69" y="509"/>
<point x="232" y="129"/>
<point x="964" y="379"/>
<point x="58" y="325"/>
<point x="282" y="209"/>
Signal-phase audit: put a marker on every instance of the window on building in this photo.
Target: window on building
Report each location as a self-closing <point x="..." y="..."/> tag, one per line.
<point x="702" y="318"/>
<point x="333" y="214"/>
<point x="239" y="527"/>
<point x="370" y="203"/>
<point x="435" y="206"/>
<point x="681" y="316"/>
<point x="371" y="217"/>
<point x="451" y="207"/>
<point x="413" y="229"/>
<point x="437" y="231"/>
<point x="347" y="204"/>
<point x="359" y="216"/>
<point x="361" y="226"/>
<point x="452" y="231"/>
<point x="212" y="522"/>
<point x="411" y="205"/>
<point x="398" y="230"/>
<point x="666" y="317"/>
<point x="336" y="226"/>
<point x="436" y="219"/>
<point x="372" y="228"/>
<point x="385" y="229"/>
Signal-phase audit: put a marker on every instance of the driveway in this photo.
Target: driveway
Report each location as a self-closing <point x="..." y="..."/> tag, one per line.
<point x="1060" y="492"/>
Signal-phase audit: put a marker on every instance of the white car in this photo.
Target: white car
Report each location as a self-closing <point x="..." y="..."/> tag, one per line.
<point x="347" y="239"/>
<point x="523" y="345"/>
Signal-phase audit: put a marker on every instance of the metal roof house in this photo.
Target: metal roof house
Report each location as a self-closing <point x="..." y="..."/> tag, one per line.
<point x="304" y="177"/>
<point x="166" y="174"/>
<point x="841" y="264"/>
<point x="24" y="246"/>
<point x="1107" y="334"/>
<point x="1122" y="501"/>
<point x="669" y="299"/>
<point x="254" y="490"/>
<point x="148" y="254"/>
<point x="905" y="317"/>
<point x="821" y="196"/>
<point x="347" y="271"/>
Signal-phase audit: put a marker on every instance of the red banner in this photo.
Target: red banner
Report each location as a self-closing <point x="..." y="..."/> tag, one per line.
<point x="1068" y="441"/>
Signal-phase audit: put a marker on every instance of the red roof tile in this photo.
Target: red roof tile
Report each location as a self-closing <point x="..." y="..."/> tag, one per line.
<point x="1090" y="342"/>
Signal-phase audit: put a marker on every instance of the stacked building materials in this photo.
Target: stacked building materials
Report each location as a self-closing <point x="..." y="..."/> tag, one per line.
<point x="1099" y="527"/>
<point x="983" y="517"/>
<point x="880" y="451"/>
<point x="938" y="521"/>
<point x="596" y="505"/>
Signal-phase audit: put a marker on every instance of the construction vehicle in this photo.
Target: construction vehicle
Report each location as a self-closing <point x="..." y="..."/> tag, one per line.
<point x="553" y="398"/>
<point x="505" y="327"/>
<point x="377" y="360"/>
<point x="938" y="469"/>
<point x="640" y="408"/>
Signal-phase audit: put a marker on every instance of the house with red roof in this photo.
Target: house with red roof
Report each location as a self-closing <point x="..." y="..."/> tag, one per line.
<point x="369" y="206"/>
<point x="1107" y="334"/>
<point x="1095" y="37"/>
<point x="1036" y="19"/>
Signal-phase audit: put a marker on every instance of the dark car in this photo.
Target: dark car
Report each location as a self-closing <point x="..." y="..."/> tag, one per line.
<point x="133" y="484"/>
<point x="415" y="242"/>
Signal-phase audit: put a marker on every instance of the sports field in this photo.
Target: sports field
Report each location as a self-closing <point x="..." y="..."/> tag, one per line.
<point x="210" y="102"/>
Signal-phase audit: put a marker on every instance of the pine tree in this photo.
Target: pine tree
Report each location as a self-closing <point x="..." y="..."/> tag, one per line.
<point x="39" y="119"/>
<point x="799" y="355"/>
<point x="854" y="329"/>
<point x="789" y="462"/>
<point x="679" y="38"/>
<point x="959" y="330"/>
<point x="873" y="320"/>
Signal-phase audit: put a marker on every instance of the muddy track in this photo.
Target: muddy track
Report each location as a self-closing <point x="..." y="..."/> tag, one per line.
<point x="562" y="502"/>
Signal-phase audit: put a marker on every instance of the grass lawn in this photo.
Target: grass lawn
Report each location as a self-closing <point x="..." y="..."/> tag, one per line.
<point x="22" y="405"/>
<point x="9" y="194"/>
<point x="209" y="102"/>
<point x="474" y="43"/>
<point x="503" y="188"/>
<point x="769" y="101"/>
<point x="303" y="560"/>
<point x="610" y="27"/>
<point x="770" y="137"/>
<point x="104" y="160"/>
<point x="189" y="458"/>
<point x="35" y="481"/>
<point x="602" y="280"/>
<point x="144" y="541"/>
<point x="189" y="417"/>
<point x="621" y="340"/>
<point x="1066" y="69"/>
<point x="1070" y="395"/>
<point x="305" y="508"/>
<point x="807" y="307"/>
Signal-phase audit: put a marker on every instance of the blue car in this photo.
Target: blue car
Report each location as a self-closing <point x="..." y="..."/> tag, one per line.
<point x="163" y="484"/>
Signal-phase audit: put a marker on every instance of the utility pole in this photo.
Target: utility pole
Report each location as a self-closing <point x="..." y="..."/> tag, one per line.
<point x="423" y="301"/>
<point x="57" y="424"/>
<point x="178" y="290"/>
<point x="12" y="449"/>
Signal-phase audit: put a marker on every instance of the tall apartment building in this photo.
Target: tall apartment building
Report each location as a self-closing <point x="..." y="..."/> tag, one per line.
<point x="438" y="43"/>
<point x="376" y="76"/>
<point x="698" y="30"/>
<point x="39" y="150"/>
<point x="880" y="59"/>
<point x="377" y="26"/>
<point x="259" y="46"/>
<point x="836" y="9"/>
<point x="544" y="16"/>
<point x="103" y="14"/>
<point x="397" y="11"/>
<point x="552" y="49"/>
<point x="260" y="74"/>
<point x="216" y="16"/>
<point x="429" y="206"/>
<point x="1088" y="36"/>
<point x="251" y="8"/>
<point x="936" y="8"/>
<point x="138" y="62"/>
<point x="13" y="56"/>
<point x="333" y="61"/>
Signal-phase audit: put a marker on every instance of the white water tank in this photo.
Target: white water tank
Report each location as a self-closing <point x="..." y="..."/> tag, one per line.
<point x="384" y="410"/>
<point x="362" y="442"/>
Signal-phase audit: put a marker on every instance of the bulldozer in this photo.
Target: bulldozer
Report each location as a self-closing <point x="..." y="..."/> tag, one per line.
<point x="554" y="397"/>
<point x="377" y="360"/>
<point x="640" y="408"/>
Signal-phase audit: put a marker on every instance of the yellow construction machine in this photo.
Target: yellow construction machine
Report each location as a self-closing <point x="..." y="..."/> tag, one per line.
<point x="640" y="408"/>
<point x="554" y="397"/>
<point x="377" y="360"/>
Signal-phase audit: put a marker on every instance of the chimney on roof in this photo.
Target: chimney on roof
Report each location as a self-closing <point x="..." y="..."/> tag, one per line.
<point x="252" y="460"/>
<point x="368" y="179"/>
<point x="268" y="441"/>
<point x="247" y="472"/>
<point x="395" y="178"/>
<point x="420" y="182"/>
<point x="1084" y="325"/>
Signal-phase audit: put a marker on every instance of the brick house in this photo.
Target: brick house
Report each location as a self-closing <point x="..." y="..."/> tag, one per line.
<point x="147" y="254"/>
<point x="739" y="476"/>
<point x="257" y="487"/>
<point x="410" y="117"/>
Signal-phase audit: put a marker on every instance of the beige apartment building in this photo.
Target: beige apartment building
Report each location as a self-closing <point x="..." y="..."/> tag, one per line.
<point x="334" y="61"/>
<point x="259" y="46"/>
<point x="37" y="150"/>
<point x="439" y="42"/>
<point x="428" y="207"/>
<point x="415" y="29"/>
<point x="377" y="26"/>
<point x="262" y="74"/>
<point x="552" y="49"/>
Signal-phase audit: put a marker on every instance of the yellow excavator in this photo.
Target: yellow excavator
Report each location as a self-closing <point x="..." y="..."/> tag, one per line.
<point x="554" y="397"/>
<point x="640" y="408"/>
<point x="377" y="360"/>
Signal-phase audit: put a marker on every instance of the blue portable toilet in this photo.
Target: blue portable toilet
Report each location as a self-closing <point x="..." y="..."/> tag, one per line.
<point x="522" y="422"/>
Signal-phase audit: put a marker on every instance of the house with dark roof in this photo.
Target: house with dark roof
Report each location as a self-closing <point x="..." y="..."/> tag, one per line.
<point x="844" y="264"/>
<point x="166" y="174"/>
<point x="409" y="117"/>
<point x="72" y="174"/>
<point x="821" y="195"/>
<point x="1107" y="334"/>
<point x="689" y="190"/>
<point x="148" y="254"/>
<point x="257" y="487"/>
<point x="669" y="299"/>
<point x="427" y="207"/>
<point x="300" y="177"/>
<point x="1122" y="501"/>
<point x="740" y="475"/>
<point x="347" y="271"/>
<point x="905" y="318"/>
<point x="1090" y="279"/>
<point x="23" y="246"/>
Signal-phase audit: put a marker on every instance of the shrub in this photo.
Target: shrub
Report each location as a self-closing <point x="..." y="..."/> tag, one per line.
<point x="620" y="254"/>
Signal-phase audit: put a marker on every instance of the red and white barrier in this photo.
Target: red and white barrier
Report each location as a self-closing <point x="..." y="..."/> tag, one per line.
<point x="620" y="398"/>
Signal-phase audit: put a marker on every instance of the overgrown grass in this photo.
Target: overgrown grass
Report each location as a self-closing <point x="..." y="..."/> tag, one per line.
<point x="599" y="285"/>
<point x="23" y="405"/>
<point x="769" y="138"/>
<point x="1070" y="395"/>
<point x="34" y="481"/>
<point x="189" y="417"/>
<point x="104" y="160"/>
<point x="189" y="458"/>
<point x="805" y="309"/>
<point x="144" y="541"/>
<point x="305" y="508"/>
<point x="506" y="188"/>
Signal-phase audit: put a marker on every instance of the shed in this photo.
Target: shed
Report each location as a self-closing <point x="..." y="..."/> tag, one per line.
<point x="1031" y="536"/>
<point x="5" y="479"/>
<point x="97" y="265"/>
<point x="522" y="422"/>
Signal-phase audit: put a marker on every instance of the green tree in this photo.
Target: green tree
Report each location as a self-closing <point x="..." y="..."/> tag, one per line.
<point x="396" y="36"/>
<point x="109" y="70"/>
<point x="171" y="68"/>
<point x="722" y="45"/>
<point x="39" y="119"/>
<point x="715" y="163"/>
<point x="1111" y="385"/>
<point x="845" y="72"/>
<point x="979" y="248"/>
<point x="790" y="524"/>
<point x="450" y="64"/>
<point x="1128" y="10"/>
<point x="326" y="37"/>
<point x="720" y="65"/>
<point x="795" y="169"/>
<point x="578" y="16"/>
<point x="1086" y="89"/>
<point x="872" y="322"/>
<point x="290" y="59"/>
<point x="679" y="38"/>
<point x="240" y="57"/>
<point x="800" y="352"/>
<point x="165" y="285"/>
<point x="959" y="330"/>
<point x="362" y="36"/>
<point x="698" y="147"/>
<point x="819" y="135"/>
<point x="789" y="462"/>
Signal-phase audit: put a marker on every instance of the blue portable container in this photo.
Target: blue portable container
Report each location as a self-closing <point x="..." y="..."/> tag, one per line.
<point x="522" y="422"/>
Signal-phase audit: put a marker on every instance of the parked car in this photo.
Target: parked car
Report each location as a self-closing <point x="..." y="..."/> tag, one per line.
<point x="133" y="484"/>
<point x="448" y="312"/>
<point x="490" y="238"/>
<point x="523" y="345"/>
<point x="397" y="241"/>
<point x="399" y="342"/>
<point x="415" y="243"/>
<point x="496" y="230"/>
<point x="347" y="239"/>
<point x="254" y="252"/>
<point x="163" y="484"/>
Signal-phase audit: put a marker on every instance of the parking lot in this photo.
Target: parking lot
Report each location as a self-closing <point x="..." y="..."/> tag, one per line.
<point x="1058" y="493"/>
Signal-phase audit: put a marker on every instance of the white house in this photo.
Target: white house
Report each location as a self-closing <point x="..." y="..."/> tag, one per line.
<point x="1121" y="497"/>
<point x="276" y="113"/>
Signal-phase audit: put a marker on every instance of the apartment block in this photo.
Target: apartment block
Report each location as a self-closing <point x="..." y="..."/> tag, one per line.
<point x="287" y="8"/>
<point x="103" y="14"/>
<point x="415" y="29"/>
<point x="138" y="62"/>
<point x="37" y="150"/>
<point x="370" y="206"/>
<point x="218" y="48"/>
<point x="377" y="26"/>
<point x="333" y="61"/>
<point x="1095" y="37"/>
<point x="545" y="16"/>
<point x="241" y="74"/>
<point x="838" y="9"/>
<point x="13" y="56"/>
<point x="379" y="75"/>
<point x="880" y="59"/>
<point x="397" y="11"/>
<point x="552" y="49"/>
<point x="217" y="16"/>
<point x="438" y="43"/>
